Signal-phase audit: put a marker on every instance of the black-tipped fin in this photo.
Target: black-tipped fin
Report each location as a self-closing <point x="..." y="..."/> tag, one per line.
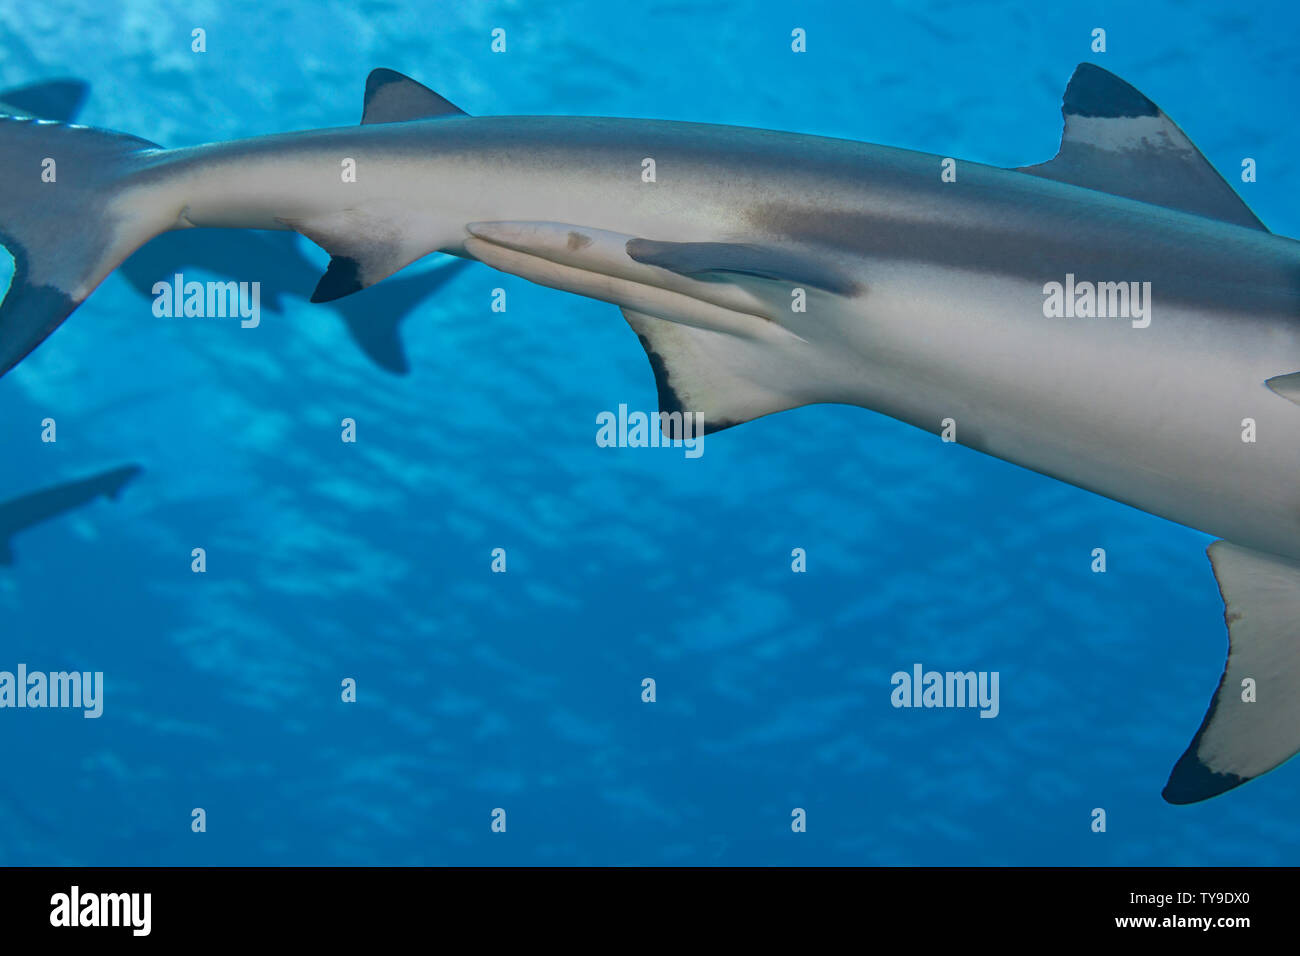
<point x="394" y="98"/>
<point x="1253" y="722"/>
<point x="365" y="246"/>
<point x="58" y="227"/>
<point x="1117" y="141"/>
<point x="727" y="379"/>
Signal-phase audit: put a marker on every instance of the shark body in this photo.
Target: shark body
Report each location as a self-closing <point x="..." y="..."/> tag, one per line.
<point x="19" y="514"/>
<point x="763" y="271"/>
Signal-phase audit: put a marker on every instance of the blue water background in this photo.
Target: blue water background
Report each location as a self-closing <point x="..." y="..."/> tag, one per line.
<point x="522" y="690"/>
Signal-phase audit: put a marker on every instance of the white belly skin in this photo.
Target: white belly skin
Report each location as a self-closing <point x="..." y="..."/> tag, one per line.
<point x="1148" y="416"/>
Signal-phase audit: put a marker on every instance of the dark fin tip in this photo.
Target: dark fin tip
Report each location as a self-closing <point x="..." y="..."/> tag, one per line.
<point x="343" y="277"/>
<point x="1192" y="781"/>
<point x="411" y="101"/>
<point x="35" y="310"/>
<point x="379" y="78"/>
<point x="669" y="400"/>
<point x="1093" y="91"/>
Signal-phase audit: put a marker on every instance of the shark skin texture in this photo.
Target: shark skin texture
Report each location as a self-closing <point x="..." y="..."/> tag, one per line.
<point x="1116" y="317"/>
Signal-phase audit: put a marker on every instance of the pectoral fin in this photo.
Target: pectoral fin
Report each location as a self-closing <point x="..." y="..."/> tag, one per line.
<point x="596" y="263"/>
<point x="726" y="379"/>
<point x="714" y="345"/>
<point x="1253" y="723"/>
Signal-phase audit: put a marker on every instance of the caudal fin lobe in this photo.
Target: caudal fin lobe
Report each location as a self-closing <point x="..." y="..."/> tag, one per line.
<point x="61" y="220"/>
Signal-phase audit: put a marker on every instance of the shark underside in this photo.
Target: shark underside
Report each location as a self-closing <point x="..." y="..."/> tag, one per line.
<point x="763" y="271"/>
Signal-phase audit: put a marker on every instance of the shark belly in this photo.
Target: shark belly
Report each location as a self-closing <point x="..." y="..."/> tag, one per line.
<point x="1152" y="417"/>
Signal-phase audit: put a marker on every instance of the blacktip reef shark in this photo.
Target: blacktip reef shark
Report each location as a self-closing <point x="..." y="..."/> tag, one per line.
<point x="920" y="298"/>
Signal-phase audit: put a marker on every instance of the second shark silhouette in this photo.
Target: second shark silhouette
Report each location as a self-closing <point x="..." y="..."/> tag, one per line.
<point x="21" y="513"/>
<point x="58" y="100"/>
<point x="276" y="260"/>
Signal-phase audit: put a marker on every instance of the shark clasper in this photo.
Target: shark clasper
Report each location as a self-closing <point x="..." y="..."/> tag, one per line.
<point x="1116" y="317"/>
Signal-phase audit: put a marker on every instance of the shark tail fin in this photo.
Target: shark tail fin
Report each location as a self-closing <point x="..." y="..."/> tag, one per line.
<point x="1253" y="723"/>
<point x="62" y="220"/>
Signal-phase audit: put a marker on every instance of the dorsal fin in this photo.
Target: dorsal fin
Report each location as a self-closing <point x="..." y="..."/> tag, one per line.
<point x="1117" y="141"/>
<point x="394" y="98"/>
